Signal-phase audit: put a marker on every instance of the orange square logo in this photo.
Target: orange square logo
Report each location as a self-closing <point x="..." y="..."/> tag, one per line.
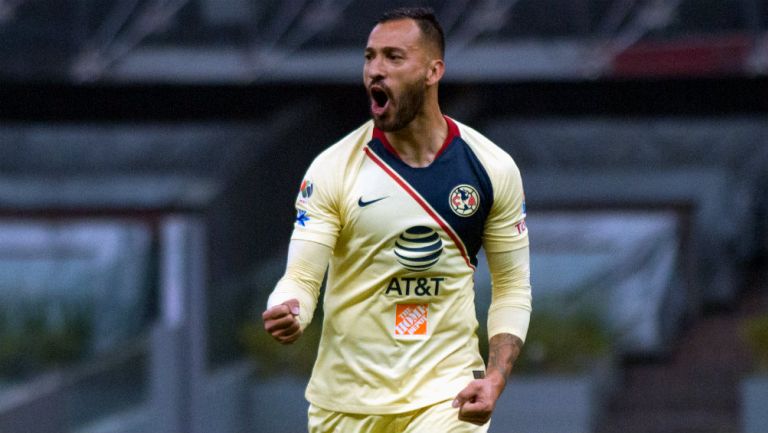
<point x="411" y="319"/>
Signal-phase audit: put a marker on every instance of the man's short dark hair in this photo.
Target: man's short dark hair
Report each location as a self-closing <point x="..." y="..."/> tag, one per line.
<point x="426" y="20"/>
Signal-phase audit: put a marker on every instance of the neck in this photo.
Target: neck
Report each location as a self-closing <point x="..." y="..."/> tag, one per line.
<point x="419" y="143"/>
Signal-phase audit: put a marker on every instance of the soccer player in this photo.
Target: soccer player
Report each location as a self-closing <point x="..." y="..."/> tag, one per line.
<point x="397" y="211"/>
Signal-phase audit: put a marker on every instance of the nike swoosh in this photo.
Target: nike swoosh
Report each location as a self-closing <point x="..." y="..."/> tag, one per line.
<point x="362" y="203"/>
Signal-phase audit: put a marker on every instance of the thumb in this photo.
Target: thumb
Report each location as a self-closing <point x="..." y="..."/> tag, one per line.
<point x="464" y="396"/>
<point x="293" y="305"/>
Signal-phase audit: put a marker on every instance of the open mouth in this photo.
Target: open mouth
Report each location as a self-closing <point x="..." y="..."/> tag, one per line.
<point x="379" y="96"/>
<point x="379" y="100"/>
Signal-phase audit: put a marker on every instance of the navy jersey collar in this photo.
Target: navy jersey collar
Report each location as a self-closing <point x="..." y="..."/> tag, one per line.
<point x="453" y="132"/>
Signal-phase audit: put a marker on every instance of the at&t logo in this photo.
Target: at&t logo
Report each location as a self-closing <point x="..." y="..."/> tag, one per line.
<point x="418" y="248"/>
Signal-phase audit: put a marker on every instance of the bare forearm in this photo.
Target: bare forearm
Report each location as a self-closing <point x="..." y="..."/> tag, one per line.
<point x="503" y="351"/>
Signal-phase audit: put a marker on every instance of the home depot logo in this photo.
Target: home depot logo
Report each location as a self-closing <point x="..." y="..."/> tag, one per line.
<point x="411" y="320"/>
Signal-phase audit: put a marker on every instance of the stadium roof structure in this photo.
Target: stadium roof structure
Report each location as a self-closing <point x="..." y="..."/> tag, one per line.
<point x="242" y="41"/>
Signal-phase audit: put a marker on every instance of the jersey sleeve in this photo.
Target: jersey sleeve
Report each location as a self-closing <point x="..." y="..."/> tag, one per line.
<point x="317" y="205"/>
<point x="510" y="309"/>
<point x="505" y="229"/>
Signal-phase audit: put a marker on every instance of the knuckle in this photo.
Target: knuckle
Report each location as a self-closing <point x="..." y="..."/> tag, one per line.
<point x="280" y="333"/>
<point x="272" y="326"/>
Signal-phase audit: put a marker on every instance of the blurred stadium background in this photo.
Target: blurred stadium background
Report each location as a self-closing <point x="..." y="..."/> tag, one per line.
<point x="150" y="151"/>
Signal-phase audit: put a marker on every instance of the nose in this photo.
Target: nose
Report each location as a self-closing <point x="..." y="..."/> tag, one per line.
<point x="374" y="69"/>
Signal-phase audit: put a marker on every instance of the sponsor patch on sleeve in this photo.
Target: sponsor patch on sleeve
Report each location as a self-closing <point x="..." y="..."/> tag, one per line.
<point x="521" y="227"/>
<point x="411" y="320"/>
<point x="302" y="217"/>
<point x="305" y="191"/>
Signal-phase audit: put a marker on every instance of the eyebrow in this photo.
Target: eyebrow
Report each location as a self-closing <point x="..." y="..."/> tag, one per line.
<point x="387" y="49"/>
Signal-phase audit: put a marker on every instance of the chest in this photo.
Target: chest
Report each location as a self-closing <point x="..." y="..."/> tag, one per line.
<point x="387" y="201"/>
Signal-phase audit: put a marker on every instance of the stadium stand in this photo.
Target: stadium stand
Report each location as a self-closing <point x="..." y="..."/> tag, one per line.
<point x="621" y="266"/>
<point x="714" y="167"/>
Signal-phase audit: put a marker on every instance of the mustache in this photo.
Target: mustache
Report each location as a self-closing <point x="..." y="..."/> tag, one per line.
<point x="380" y="83"/>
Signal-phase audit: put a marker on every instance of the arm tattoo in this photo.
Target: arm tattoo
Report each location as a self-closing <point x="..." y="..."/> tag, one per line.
<point x="503" y="350"/>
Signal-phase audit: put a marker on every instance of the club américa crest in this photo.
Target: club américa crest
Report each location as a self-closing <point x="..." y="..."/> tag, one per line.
<point x="464" y="200"/>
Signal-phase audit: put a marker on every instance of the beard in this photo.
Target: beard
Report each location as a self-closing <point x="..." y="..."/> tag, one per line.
<point x="405" y="107"/>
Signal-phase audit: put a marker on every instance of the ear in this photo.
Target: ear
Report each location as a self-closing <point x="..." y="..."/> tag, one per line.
<point x="435" y="71"/>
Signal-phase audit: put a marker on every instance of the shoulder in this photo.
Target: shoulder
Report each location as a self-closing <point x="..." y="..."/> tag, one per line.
<point x="333" y="167"/>
<point x="495" y="159"/>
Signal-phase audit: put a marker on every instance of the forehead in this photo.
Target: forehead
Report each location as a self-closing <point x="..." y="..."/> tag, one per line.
<point x="402" y="33"/>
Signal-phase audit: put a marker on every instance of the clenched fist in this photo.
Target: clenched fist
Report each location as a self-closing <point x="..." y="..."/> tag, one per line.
<point x="477" y="401"/>
<point x="281" y="321"/>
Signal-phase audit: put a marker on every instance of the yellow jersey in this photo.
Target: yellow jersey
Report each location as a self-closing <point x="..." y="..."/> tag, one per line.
<point x="399" y="331"/>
